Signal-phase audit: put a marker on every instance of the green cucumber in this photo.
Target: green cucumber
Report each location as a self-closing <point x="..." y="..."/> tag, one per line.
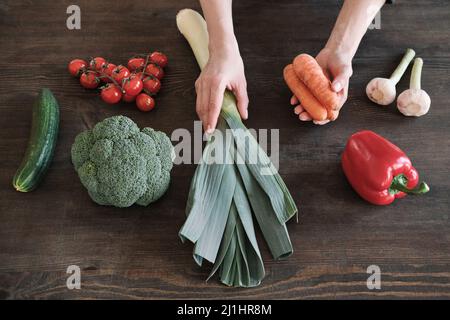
<point x="41" y="145"/>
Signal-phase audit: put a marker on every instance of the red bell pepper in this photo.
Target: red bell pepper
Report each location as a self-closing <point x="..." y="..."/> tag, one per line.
<point x="378" y="170"/>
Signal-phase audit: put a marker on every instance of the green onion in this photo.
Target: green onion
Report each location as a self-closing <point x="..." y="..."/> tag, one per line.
<point x="225" y="195"/>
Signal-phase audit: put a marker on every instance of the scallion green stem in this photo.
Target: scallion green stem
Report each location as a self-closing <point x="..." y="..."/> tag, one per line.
<point x="400" y="70"/>
<point x="416" y="74"/>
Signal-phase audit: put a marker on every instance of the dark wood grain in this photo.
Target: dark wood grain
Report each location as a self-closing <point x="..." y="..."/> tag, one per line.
<point x="136" y="253"/>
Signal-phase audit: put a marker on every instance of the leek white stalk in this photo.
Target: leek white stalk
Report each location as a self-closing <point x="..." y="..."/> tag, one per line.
<point x="223" y="196"/>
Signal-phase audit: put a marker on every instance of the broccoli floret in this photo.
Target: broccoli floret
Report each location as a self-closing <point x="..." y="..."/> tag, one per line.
<point x="81" y="148"/>
<point x="115" y="128"/>
<point x="121" y="165"/>
<point x="164" y="148"/>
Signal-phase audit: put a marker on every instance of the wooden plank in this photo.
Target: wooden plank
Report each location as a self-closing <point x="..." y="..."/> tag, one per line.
<point x="135" y="252"/>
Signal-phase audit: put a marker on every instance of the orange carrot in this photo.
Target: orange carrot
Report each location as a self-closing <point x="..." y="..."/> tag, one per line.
<point x="312" y="75"/>
<point x="332" y="115"/>
<point x="307" y="99"/>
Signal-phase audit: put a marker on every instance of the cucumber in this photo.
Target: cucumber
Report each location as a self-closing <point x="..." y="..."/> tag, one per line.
<point x="41" y="145"/>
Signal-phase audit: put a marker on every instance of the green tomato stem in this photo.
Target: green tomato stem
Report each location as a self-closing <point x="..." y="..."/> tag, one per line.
<point x="400" y="70"/>
<point x="416" y="74"/>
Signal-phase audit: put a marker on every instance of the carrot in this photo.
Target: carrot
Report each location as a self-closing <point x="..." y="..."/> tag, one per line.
<point x="312" y="75"/>
<point x="332" y="115"/>
<point x="307" y="99"/>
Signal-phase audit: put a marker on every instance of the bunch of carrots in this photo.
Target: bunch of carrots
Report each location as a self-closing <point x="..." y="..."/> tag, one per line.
<point x="308" y="82"/>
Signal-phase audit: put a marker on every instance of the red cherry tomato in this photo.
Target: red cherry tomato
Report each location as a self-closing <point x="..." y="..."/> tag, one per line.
<point x="76" y="67"/>
<point x="111" y="94"/>
<point x="154" y="70"/>
<point x="159" y="58"/>
<point x="132" y="86"/>
<point x="136" y="63"/>
<point x="120" y="73"/>
<point x="139" y="75"/>
<point x="89" y="80"/>
<point x="128" y="98"/>
<point x="152" y="84"/>
<point x="144" y="102"/>
<point x="108" y="70"/>
<point x="97" y="63"/>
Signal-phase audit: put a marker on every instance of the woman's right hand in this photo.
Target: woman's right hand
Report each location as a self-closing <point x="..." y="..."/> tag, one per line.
<point x="224" y="70"/>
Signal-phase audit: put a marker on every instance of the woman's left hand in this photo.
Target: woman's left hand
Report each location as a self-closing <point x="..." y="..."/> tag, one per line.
<point x="338" y="67"/>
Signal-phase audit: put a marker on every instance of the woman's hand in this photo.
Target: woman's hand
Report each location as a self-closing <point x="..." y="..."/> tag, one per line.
<point x="224" y="70"/>
<point x="336" y="58"/>
<point x="338" y="67"/>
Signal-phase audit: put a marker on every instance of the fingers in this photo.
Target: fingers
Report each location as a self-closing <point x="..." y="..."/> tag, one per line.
<point x="334" y="115"/>
<point x="199" y="106"/>
<point x="343" y="98"/>
<point x="321" y="123"/>
<point x="298" y="109"/>
<point x="214" y="105"/>
<point x="209" y="101"/>
<point x="340" y="84"/>
<point x="242" y="99"/>
<point x="341" y="80"/>
<point x="337" y="85"/>
<point x="304" y="116"/>
<point x="210" y="97"/>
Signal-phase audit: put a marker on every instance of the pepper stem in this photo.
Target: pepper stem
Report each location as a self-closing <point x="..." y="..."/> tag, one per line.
<point x="400" y="70"/>
<point x="416" y="74"/>
<point x="399" y="185"/>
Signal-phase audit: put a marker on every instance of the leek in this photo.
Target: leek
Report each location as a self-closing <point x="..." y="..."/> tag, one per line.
<point x="225" y="195"/>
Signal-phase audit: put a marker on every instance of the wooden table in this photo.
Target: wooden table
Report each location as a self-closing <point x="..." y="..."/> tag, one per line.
<point x="135" y="252"/>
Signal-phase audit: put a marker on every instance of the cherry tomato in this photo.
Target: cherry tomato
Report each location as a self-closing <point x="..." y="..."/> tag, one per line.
<point x="159" y="58"/>
<point x="89" y="80"/>
<point x="139" y="75"/>
<point x="97" y="63"/>
<point x="111" y="94"/>
<point x="136" y="63"/>
<point x="108" y="70"/>
<point x="152" y="84"/>
<point x="120" y="73"/>
<point x="132" y="86"/>
<point x="144" y="102"/>
<point x="155" y="70"/>
<point x="76" y="67"/>
<point x="128" y="98"/>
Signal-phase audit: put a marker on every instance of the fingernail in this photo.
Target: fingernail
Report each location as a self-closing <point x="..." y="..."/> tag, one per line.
<point x="245" y="115"/>
<point x="337" y="86"/>
<point x="304" y="116"/>
<point x="209" y="130"/>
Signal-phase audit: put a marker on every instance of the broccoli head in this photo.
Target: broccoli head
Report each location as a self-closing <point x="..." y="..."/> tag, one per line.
<point x="121" y="165"/>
